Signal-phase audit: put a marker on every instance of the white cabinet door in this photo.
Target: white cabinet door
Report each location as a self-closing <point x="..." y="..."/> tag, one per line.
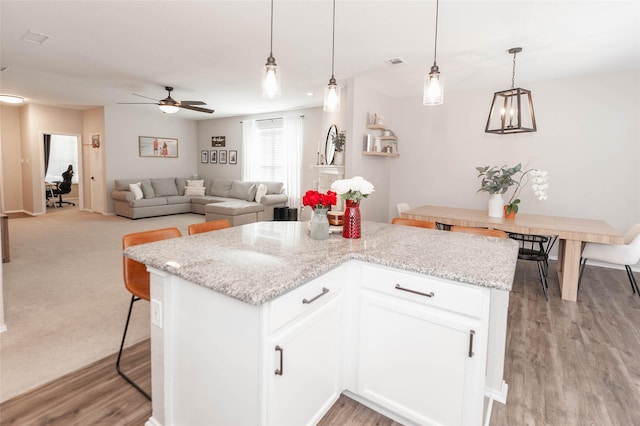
<point x="415" y="360"/>
<point x="305" y="378"/>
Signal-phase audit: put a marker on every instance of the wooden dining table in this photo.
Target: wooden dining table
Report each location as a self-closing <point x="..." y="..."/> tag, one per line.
<point x="572" y="233"/>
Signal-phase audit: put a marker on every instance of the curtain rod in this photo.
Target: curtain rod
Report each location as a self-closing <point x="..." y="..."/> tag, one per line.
<point x="271" y="119"/>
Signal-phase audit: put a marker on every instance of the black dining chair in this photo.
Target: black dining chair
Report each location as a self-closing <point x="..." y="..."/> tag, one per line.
<point x="535" y="248"/>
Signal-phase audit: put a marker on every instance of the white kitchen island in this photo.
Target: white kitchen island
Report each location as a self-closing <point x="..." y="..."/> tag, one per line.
<point x="261" y="325"/>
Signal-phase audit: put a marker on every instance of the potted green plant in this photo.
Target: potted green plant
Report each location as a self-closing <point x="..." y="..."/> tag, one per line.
<point x="497" y="181"/>
<point x="339" y="141"/>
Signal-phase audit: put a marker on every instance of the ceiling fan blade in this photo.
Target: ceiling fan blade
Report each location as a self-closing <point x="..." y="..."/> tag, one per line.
<point x="137" y="103"/>
<point x="143" y="96"/>
<point x="192" y="103"/>
<point x="193" y="108"/>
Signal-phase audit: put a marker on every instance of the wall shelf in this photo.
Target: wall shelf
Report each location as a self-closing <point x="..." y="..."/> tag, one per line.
<point x="380" y="154"/>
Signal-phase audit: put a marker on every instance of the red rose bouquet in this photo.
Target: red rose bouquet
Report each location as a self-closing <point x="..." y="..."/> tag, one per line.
<point x="314" y="199"/>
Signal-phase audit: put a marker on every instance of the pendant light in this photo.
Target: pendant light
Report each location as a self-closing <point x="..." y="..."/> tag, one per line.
<point x="332" y="91"/>
<point x="434" y="81"/>
<point x="271" y="87"/>
<point x="511" y="110"/>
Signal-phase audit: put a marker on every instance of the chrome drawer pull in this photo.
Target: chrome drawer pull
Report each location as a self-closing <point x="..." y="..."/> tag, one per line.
<point x="471" y="334"/>
<point x="280" y="370"/>
<point x="430" y="294"/>
<point x="324" y="291"/>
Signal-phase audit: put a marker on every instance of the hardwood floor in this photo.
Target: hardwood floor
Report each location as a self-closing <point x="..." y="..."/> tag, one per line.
<point x="566" y="364"/>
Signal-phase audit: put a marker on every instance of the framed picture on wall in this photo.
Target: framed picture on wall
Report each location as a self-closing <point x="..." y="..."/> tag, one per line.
<point x="213" y="156"/>
<point x="152" y="146"/>
<point x="223" y="156"/>
<point x="95" y="140"/>
<point x="233" y="157"/>
<point x="204" y="156"/>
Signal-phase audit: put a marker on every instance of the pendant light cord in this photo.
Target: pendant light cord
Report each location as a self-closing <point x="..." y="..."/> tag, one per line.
<point x="513" y="74"/>
<point x="271" y="46"/>
<point x="435" y="48"/>
<point x="333" y="42"/>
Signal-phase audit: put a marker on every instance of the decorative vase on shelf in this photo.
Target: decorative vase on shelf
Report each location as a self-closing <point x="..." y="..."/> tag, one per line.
<point x="339" y="158"/>
<point x="509" y="215"/>
<point x="319" y="224"/>
<point x="496" y="205"/>
<point x="351" y="220"/>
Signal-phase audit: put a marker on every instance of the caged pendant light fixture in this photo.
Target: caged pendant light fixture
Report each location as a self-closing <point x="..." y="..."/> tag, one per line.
<point x="332" y="91"/>
<point x="511" y="110"/>
<point x="434" y="81"/>
<point x="271" y="87"/>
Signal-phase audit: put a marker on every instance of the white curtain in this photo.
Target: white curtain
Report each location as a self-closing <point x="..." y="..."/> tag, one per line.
<point x="272" y="152"/>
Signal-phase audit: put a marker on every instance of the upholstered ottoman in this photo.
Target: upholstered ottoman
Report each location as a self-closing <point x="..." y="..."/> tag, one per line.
<point x="236" y="212"/>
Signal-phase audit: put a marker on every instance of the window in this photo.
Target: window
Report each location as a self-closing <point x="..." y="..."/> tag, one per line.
<point x="271" y="150"/>
<point x="62" y="150"/>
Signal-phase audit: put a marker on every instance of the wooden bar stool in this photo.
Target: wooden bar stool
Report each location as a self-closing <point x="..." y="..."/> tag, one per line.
<point x="137" y="281"/>
<point x="479" y="231"/>
<point x="212" y="225"/>
<point x="413" y="222"/>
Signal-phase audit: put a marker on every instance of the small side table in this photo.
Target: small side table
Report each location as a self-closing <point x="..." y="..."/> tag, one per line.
<point x="5" y="238"/>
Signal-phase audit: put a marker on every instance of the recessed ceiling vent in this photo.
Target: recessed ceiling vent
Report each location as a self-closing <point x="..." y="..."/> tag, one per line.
<point x="395" y="61"/>
<point x="34" y="37"/>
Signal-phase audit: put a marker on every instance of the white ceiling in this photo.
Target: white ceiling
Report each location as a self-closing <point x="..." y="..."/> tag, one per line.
<point x="100" y="52"/>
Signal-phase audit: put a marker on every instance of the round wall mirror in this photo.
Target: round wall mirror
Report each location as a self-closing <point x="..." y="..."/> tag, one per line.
<point x="329" y="147"/>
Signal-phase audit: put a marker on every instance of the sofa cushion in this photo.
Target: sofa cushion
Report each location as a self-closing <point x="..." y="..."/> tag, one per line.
<point x="243" y="190"/>
<point x="165" y="186"/>
<point x="220" y="187"/>
<point x="274" y="187"/>
<point x="234" y="208"/>
<point x="178" y="199"/>
<point x="194" y="190"/>
<point x="208" y="199"/>
<point x="181" y="183"/>
<point x="158" y="201"/>
<point x="147" y="189"/>
<point x="123" y="184"/>
<point x="136" y="190"/>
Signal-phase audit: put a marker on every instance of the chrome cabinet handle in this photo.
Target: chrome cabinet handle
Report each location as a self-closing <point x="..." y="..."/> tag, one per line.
<point x="430" y="294"/>
<point x="324" y="291"/>
<point x="280" y="370"/>
<point x="471" y="334"/>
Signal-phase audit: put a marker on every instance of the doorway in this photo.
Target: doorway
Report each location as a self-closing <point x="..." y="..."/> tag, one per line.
<point x="60" y="154"/>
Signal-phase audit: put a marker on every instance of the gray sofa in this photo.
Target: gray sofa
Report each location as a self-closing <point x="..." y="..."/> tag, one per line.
<point x="234" y="199"/>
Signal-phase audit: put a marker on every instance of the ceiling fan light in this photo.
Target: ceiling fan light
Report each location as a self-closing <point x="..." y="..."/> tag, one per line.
<point x="11" y="99"/>
<point x="433" y="87"/>
<point x="271" y="80"/>
<point x="332" y="96"/>
<point x="169" y="109"/>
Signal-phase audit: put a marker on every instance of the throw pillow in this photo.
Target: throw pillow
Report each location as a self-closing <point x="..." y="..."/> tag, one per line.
<point x="194" y="190"/>
<point x="197" y="183"/>
<point x="147" y="189"/>
<point x="137" y="190"/>
<point x="261" y="192"/>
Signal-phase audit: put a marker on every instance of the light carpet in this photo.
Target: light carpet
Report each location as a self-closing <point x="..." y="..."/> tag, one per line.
<point x="65" y="300"/>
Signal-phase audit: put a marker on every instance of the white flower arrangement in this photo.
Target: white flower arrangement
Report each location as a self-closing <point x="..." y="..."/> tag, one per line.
<point x="354" y="189"/>
<point x="540" y="185"/>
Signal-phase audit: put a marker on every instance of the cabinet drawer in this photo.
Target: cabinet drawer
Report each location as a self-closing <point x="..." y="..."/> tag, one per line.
<point x="437" y="292"/>
<point x="305" y="299"/>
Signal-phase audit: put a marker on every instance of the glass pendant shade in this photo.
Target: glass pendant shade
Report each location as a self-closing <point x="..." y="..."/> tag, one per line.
<point x="169" y="109"/>
<point x="271" y="80"/>
<point x="332" y="97"/>
<point x="511" y="112"/>
<point x="433" y="87"/>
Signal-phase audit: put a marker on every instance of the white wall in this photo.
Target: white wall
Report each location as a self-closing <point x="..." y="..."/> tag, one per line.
<point x="588" y="141"/>
<point x="123" y="126"/>
<point x="231" y="128"/>
<point x="10" y="150"/>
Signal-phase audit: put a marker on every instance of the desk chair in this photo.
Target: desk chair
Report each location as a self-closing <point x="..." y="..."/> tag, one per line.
<point x="627" y="255"/>
<point x="61" y="189"/>
<point x="137" y="281"/>
<point x="479" y="231"/>
<point x="413" y="222"/>
<point x="212" y="225"/>
<point x="534" y="248"/>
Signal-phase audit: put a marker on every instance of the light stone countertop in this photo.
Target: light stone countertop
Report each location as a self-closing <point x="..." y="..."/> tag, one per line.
<point x="258" y="262"/>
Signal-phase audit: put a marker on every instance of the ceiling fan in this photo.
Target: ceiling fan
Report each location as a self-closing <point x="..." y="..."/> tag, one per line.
<point x="170" y="105"/>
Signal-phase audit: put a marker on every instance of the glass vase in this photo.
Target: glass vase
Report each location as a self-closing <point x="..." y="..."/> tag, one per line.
<point x="351" y="220"/>
<point x="319" y="224"/>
